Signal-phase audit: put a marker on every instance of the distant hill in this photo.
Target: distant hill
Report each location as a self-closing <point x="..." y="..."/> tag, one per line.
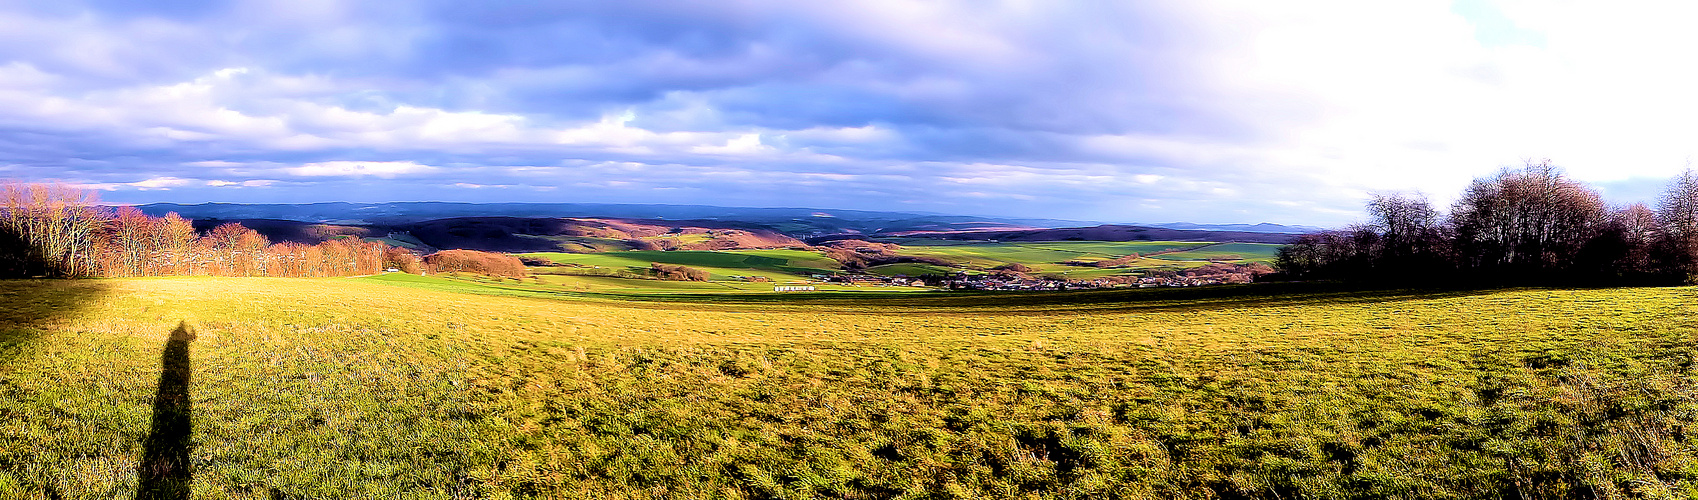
<point x="529" y="234"/>
<point x="591" y="227"/>
<point x="797" y="222"/>
<point x="280" y="230"/>
<point x="533" y="234"/>
<point x="1250" y="228"/>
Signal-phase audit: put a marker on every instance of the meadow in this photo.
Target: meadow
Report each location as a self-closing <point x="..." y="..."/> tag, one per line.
<point x="384" y="388"/>
<point x="787" y="265"/>
<point x="774" y="264"/>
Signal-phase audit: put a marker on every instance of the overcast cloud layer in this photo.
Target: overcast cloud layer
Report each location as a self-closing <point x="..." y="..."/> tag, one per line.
<point x="1200" y="111"/>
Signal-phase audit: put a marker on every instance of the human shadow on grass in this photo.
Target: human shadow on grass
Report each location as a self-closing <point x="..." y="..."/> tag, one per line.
<point x="164" y="472"/>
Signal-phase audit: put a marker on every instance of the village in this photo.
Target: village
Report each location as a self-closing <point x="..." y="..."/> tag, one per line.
<point x="1002" y="281"/>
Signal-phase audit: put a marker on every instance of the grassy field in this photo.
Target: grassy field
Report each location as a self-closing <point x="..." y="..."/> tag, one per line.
<point x="1230" y="252"/>
<point x="1047" y="257"/>
<point x="785" y="265"/>
<point x="367" y="388"/>
<point x="778" y="265"/>
<point x="911" y="269"/>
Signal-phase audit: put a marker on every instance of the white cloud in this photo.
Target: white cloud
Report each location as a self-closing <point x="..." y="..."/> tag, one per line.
<point x="246" y="183"/>
<point x="1084" y="108"/>
<point x="745" y="144"/>
<point x="384" y="169"/>
<point x="150" y="184"/>
<point x="1404" y="96"/>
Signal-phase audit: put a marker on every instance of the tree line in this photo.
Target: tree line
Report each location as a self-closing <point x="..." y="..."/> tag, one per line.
<point x="49" y="230"/>
<point x="1526" y="226"/>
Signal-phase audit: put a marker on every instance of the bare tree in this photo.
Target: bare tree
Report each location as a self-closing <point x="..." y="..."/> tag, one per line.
<point x="1525" y="222"/>
<point x="1677" y="219"/>
<point x="131" y="243"/>
<point x="1412" y="237"/>
<point x="49" y="230"/>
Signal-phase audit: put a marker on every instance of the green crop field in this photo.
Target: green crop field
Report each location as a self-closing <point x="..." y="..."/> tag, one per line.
<point x="987" y="255"/>
<point x="383" y="387"/>
<point x="1047" y="257"/>
<point x="1245" y="252"/>
<point x="799" y="265"/>
<point x="911" y="269"/>
<point x="778" y="265"/>
<point x="1110" y="248"/>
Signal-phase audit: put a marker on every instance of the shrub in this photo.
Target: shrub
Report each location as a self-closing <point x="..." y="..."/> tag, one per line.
<point x="402" y="259"/>
<point x="678" y="273"/>
<point x="473" y="261"/>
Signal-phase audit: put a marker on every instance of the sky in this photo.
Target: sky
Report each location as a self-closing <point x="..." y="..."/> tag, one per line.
<point x="1201" y="111"/>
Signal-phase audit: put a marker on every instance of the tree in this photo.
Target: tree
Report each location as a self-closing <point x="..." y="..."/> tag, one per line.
<point x="1521" y="224"/>
<point x="473" y="261"/>
<point x="1621" y="251"/>
<point x="48" y="230"/>
<point x="234" y="249"/>
<point x="1677" y="219"/>
<point x="130" y="234"/>
<point x="403" y="260"/>
<point x="1412" y="239"/>
<point x="173" y="240"/>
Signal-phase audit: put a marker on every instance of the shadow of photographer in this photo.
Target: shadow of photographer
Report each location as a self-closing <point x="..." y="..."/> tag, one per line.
<point x="165" y="472"/>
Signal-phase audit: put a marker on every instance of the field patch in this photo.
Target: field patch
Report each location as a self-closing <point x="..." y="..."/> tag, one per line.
<point x="1227" y="252"/>
<point x="778" y="265"/>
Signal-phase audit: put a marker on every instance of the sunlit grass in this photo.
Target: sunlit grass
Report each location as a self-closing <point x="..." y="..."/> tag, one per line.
<point x="359" y="388"/>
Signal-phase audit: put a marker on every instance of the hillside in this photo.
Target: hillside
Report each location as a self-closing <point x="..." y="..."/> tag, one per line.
<point x="520" y="234"/>
<point x="514" y="234"/>
<point x="279" y="230"/>
<point x="359" y="388"/>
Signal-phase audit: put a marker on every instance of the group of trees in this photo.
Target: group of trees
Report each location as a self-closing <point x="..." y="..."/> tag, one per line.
<point x="671" y="272"/>
<point x="57" y="231"/>
<point x="1531" y="225"/>
<point x="475" y="262"/>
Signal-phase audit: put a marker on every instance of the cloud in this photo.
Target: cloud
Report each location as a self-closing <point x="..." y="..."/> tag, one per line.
<point x="149" y="184"/>
<point x="247" y="183"/>
<point x="384" y="169"/>
<point x="745" y="144"/>
<point x="1209" y="111"/>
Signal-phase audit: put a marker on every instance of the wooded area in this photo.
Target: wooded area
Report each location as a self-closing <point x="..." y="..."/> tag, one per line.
<point x="1531" y="225"/>
<point x="61" y="232"/>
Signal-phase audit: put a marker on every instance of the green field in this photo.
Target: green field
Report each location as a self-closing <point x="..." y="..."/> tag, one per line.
<point x="389" y="388"/>
<point x="1047" y="257"/>
<point x="911" y="269"/>
<point x="987" y="255"/>
<point x="778" y="265"/>
<point x="1245" y="252"/>
<point x="801" y="265"/>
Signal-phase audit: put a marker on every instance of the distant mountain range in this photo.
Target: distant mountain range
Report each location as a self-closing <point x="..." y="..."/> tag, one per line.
<point x="582" y="227"/>
<point x="1249" y="228"/>
<point x="796" y="222"/>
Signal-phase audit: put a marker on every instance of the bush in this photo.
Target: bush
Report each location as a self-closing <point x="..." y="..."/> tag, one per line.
<point x="678" y="273"/>
<point x="403" y="260"/>
<point x="538" y="262"/>
<point x="473" y="261"/>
